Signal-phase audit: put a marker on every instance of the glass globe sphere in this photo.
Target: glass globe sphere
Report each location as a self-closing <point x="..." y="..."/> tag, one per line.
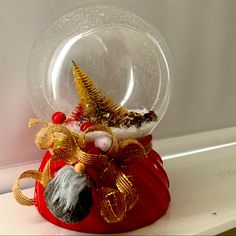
<point x="124" y="55"/>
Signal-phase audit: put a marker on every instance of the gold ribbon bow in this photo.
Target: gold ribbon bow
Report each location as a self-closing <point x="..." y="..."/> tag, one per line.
<point x="115" y="190"/>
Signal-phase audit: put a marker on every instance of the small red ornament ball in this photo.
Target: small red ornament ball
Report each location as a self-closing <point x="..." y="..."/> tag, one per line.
<point x="85" y="125"/>
<point x="58" y="118"/>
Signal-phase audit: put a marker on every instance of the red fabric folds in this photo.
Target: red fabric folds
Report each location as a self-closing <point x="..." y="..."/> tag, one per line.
<point x="151" y="182"/>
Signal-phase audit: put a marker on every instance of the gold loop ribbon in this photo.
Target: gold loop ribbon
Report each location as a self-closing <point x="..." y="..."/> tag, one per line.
<point x="114" y="200"/>
<point x="125" y="185"/>
<point x="42" y="177"/>
<point x="108" y="198"/>
<point x="16" y="187"/>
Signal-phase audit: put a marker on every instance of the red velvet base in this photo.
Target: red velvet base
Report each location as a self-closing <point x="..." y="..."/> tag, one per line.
<point x="152" y="185"/>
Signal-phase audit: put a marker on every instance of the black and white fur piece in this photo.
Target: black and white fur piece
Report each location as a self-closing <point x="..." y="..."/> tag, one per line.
<point x="68" y="195"/>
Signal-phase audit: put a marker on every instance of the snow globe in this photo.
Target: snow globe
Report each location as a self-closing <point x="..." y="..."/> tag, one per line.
<point x="99" y="83"/>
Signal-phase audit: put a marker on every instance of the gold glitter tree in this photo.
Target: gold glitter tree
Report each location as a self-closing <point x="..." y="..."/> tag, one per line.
<point x="95" y="104"/>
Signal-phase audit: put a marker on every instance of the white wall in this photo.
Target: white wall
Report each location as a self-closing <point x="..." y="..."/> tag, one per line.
<point x="201" y="35"/>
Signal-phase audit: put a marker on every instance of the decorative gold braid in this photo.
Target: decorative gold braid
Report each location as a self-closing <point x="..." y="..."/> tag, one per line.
<point x="79" y="140"/>
<point x="65" y="145"/>
<point x="23" y="200"/>
<point x="92" y="97"/>
<point x="46" y="175"/>
<point x="125" y="185"/>
<point x="44" y="138"/>
<point x="91" y="159"/>
<point x="112" y="204"/>
<point x="34" y="121"/>
<point x="43" y="177"/>
<point x="59" y="140"/>
<point x="131" y="150"/>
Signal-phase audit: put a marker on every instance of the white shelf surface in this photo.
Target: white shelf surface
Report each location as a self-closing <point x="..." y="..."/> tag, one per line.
<point x="203" y="190"/>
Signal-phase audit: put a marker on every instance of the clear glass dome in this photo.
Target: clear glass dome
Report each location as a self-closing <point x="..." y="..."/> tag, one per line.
<point x="124" y="55"/>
